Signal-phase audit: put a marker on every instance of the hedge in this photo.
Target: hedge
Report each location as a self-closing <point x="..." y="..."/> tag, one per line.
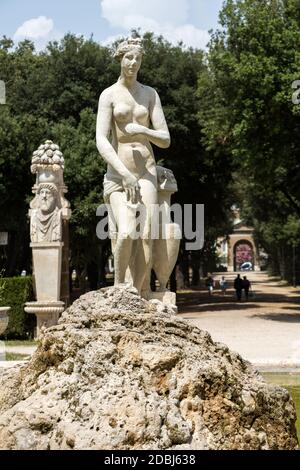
<point x="17" y="291"/>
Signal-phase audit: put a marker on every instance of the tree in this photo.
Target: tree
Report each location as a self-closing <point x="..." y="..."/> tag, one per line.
<point x="252" y="64"/>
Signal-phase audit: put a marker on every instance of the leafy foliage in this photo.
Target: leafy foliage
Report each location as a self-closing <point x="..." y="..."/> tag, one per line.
<point x="17" y="291"/>
<point x="248" y="111"/>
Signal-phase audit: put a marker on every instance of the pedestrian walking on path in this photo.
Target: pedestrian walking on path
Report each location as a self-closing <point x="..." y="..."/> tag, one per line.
<point x="238" y="285"/>
<point x="210" y="284"/>
<point x="223" y="285"/>
<point x="246" y="287"/>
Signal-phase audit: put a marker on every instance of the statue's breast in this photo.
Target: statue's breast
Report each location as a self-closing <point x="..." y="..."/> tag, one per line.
<point x="123" y="112"/>
<point x="140" y="113"/>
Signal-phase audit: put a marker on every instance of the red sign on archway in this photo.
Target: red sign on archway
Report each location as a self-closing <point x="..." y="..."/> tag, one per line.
<point x="243" y="254"/>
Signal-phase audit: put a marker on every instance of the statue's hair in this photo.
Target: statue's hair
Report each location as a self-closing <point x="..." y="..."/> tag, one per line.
<point x="50" y="186"/>
<point x="128" y="45"/>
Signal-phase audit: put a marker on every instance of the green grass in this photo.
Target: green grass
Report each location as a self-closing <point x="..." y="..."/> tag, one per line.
<point x="290" y="381"/>
<point x="16" y="357"/>
<point x="295" y="394"/>
<point x="20" y="343"/>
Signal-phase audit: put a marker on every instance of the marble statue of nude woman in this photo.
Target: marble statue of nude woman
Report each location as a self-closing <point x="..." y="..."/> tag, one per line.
<point x="130" y="119"/>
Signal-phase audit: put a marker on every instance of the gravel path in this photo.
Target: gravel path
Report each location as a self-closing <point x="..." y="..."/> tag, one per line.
<point x="27" y="351"/>
<point x="20" y="349"/>
<point x="265" y="330"/>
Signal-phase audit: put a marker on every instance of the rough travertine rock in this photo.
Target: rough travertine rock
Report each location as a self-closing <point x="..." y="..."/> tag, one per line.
<point x="119" y="372"/>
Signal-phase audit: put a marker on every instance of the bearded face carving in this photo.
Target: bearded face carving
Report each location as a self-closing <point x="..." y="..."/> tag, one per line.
<point x="47" y="200"/>
<point x="46" y="220"/>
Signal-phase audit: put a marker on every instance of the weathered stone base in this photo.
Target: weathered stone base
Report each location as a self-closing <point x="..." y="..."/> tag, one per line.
<point x="121" y="373"/>
<point x="47" y="313"/>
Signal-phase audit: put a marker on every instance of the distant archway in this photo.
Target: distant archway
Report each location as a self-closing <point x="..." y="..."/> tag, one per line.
<point x="243" y="253"/>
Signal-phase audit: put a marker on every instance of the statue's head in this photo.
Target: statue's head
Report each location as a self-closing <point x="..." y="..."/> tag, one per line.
<point x="47" y="196"/>
<point x="130" y="54"/>
<point x="131" y="44"/>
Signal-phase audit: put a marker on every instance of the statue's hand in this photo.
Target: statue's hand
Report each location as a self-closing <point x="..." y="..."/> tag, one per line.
<point x="134" y="129"/>
<point x="132" y="188"/>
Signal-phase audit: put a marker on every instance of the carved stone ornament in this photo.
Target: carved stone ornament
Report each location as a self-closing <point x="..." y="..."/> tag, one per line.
<point x="46" y="220"/>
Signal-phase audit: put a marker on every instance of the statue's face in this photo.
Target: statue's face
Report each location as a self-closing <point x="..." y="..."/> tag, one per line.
<point x="131" y="63"/>
<point x="47" y="200"/>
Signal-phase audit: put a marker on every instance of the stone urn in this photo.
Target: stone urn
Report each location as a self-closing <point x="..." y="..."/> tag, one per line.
<point x="4" y="318"/>
<point x="165" y="254"/>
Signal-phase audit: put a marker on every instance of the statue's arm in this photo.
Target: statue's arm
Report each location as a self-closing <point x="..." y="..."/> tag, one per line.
<point x="159" y="135"/>
<point x="105" y="148"/>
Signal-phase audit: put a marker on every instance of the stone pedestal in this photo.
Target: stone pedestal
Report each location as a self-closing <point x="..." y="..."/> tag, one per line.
<point x="49" y="231"/>
<point x="47" y="313"/>
<point x="47" y="270"/>
<point x="47" y="273"/>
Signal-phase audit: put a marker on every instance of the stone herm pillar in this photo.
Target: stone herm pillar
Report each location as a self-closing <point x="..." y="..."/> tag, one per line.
<point x="49" y="210"/>
<point x="47" y="268"/>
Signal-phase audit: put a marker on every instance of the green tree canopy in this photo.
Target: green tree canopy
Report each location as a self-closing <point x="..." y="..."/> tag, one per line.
<point x="247" y="109"/>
